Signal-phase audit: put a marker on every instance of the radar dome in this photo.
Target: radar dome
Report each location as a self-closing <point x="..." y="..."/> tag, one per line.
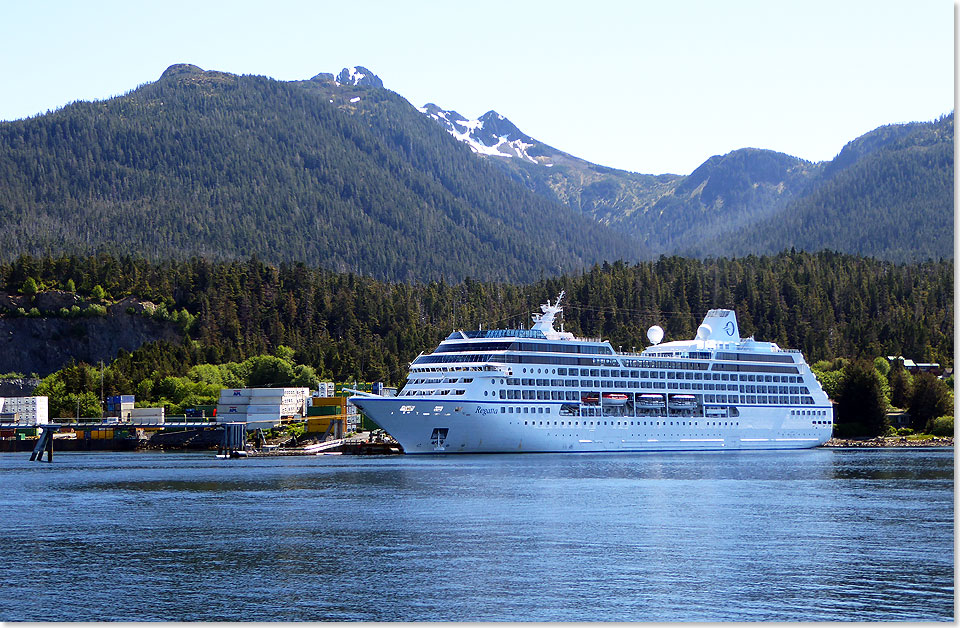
<point x="704" y="331"/>
<point x="655" y="334"/>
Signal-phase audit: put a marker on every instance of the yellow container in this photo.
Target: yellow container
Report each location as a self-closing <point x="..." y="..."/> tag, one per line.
<point x="330" y="401"/>
<point x="319" y="425"/>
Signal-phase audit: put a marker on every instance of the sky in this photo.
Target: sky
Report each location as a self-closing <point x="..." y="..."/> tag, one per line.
<point x="646" y="86"/>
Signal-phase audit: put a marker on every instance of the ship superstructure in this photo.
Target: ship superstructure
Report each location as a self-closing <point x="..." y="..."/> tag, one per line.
<point x="543" y="390"/>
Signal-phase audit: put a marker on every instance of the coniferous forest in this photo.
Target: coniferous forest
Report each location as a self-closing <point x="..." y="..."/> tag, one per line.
<point x="350" y="327"/>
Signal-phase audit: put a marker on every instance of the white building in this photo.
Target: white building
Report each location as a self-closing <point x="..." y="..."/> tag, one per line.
<point x="28" y="410"/>
<point x="261" y="407"/>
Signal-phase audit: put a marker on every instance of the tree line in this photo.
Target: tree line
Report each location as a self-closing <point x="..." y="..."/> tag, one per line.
<point x="348" y="327"/>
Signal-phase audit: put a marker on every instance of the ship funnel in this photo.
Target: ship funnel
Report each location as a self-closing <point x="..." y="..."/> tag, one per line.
<point x="655" y="334"/>
<point x="719" y="325"/>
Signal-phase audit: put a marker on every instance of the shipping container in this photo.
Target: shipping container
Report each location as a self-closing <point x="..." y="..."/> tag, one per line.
<point x="145" y="412"/>
<point x="325" y="410"/>
<point x="328" y="401"/>
<point x="321" y="425"/>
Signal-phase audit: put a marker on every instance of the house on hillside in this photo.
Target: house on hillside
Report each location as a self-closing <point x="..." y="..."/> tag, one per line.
<point x="916" y="367"/>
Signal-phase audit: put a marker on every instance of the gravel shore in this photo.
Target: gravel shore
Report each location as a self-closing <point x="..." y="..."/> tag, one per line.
<point x="890" y="441"/>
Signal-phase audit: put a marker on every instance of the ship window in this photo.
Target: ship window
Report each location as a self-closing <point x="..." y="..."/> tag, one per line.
<point x="548" y="410"/>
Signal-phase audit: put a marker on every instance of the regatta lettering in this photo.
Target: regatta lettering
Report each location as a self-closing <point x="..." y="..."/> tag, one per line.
<point x="480" y="410"/>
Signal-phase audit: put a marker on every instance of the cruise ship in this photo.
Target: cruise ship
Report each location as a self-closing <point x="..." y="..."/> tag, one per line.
<point x="543" y="390"/>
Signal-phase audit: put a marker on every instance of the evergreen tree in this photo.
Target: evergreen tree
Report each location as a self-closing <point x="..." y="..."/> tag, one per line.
<point x="29" y="287"/>
<point x="901" y="385"/>
<point x="931" y="398"/>
<point x="861" y="406"/>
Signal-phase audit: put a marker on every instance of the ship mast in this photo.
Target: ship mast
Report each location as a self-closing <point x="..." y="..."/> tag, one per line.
<point x="544" y="321"/>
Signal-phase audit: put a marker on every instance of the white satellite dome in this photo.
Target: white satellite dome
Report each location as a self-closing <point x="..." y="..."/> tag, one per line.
<point x="704" y="331"/>
<point x="655" y="334"/>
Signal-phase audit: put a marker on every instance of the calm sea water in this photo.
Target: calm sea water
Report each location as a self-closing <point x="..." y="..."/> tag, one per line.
<point x="813" y="535"/>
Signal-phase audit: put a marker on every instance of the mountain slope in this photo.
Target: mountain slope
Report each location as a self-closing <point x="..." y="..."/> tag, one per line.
<point x="750" y="200"/>
<point x="334" y="172"/>
<point x="888" y="194"/>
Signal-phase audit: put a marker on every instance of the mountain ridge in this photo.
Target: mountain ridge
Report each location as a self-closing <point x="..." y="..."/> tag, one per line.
<point x="701" y="213"/>
<point x="338" y="171"/>
<point x="345" y="175"/>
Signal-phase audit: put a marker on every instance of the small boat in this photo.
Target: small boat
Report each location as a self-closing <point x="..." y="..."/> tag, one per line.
<point x="650" y="401"/>
<point x="683" y="402"/>
<point x="614" y="399"/>
<point x="590" y="398"/>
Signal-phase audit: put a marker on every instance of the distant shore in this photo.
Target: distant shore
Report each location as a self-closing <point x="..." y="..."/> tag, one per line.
<point x="890" y="441"/>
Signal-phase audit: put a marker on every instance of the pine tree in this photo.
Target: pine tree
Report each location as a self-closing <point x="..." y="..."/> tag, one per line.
<point x="861" y="406"/>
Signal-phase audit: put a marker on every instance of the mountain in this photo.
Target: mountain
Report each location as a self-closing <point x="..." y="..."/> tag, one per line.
<point x="751" y="200"/>
<point x="338" y="171"/>
<point x="333" y="171"/>
<point x="888" y="194"/>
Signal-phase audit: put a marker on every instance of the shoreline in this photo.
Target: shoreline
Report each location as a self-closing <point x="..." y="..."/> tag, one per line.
<point x="889" y="441"/>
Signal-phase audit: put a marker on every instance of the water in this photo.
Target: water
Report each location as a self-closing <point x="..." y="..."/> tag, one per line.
<point x="814" y="535"/>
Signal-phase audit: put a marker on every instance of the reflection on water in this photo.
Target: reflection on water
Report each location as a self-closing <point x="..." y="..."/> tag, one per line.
<point x="812" y="535"/>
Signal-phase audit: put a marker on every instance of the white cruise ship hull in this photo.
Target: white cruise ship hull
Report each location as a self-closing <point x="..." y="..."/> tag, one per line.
<point x="431" y="427"/>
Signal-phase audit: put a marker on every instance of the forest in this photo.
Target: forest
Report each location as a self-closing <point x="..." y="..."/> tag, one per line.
<point x="223" y="167"/>
<point x="346" y="326"/>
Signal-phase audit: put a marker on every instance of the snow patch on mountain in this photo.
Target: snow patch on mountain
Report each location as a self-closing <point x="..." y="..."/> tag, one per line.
<point x="490" y="134"/>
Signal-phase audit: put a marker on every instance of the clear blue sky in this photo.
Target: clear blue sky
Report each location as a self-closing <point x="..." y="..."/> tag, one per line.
<point x="648" y="86"/>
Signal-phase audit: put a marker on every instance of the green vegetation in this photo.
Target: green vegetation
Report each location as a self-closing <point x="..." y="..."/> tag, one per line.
<point x="931" y="398"/>
<point x="863" y="398"/>
<point x="29" y="287"/>
<point x="200" y="385"/>
<point x="861" y="403"/>
<point x="941" y="426"/>
<point x="248" y="323"/>
<point x="888" y="194"/>
<point x="223" y="166"/>
<point x="355" y="179"/>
